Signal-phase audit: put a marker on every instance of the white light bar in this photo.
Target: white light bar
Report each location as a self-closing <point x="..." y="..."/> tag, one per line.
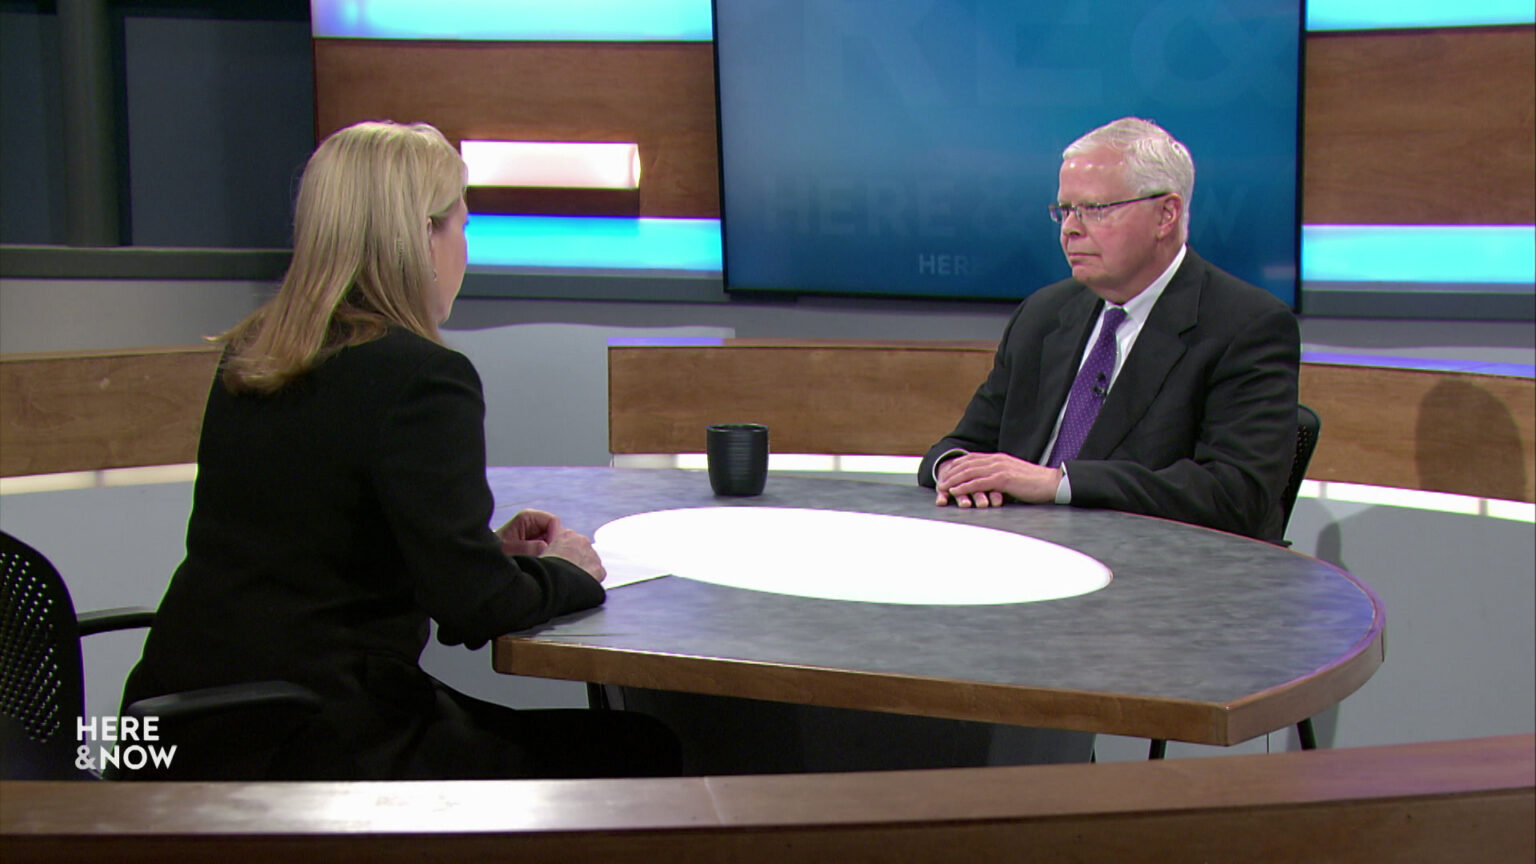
<point x="182" y="473"/>
<point x="1415" y="499"/>
<point x="552" y="164"/>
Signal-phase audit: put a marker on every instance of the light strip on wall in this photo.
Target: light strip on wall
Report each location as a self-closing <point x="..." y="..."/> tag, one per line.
<point x="1473" y="254"/>
<point x="1387" y="496"/>
<point x="691" y="20"/>
<point x="1460" y="254"/>
<point x="146" y="475"/>
<point x="593" y="243"/>
<point x="1384" y="359"/>
<point x="552" y="164"/>
<point x="516" y="20"/>
<point x="1412" y="499"/>
<point x="1399" y="14"/>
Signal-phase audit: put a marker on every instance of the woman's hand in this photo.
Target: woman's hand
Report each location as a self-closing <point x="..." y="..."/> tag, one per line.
<point x="534" y="532"/>
<point x="529" y="533"/>
<point x="578" y="550"/>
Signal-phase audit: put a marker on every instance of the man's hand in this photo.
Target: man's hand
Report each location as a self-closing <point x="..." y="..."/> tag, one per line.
<point x="984" y="479"/>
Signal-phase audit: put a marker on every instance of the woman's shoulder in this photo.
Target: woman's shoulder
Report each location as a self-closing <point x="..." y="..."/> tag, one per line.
<point x="398" y="340"/>
<point x="397" y="359"/>
<point x="404" y="349"/>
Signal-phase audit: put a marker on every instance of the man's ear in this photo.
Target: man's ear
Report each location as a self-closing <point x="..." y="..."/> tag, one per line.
<point x="1169" y="214"/>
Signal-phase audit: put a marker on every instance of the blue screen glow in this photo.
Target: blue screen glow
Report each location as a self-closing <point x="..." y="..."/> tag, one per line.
<point x="1496" y="254"/>
<point x="1489" y="254"/>
<point x="594" y="243"/>
<point x="514" y="20"/>
<point x="689" y="20"/>
<point x="1397" y="14"/>
<point x="910" y="148"/>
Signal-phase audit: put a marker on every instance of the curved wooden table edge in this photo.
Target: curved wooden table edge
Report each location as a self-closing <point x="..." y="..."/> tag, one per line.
<point x="1305" y="696"/>
<point x="1419" y="797"/>
<point x="1218" y="724"/>
<point x="864" y="690"/>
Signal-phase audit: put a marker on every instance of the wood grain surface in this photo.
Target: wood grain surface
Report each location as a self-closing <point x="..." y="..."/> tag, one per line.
<point x="1450" y="432"/>
<point x="1420" y="127"/>
<point x="658" y="95"/>
<point x="102" y="409"/>
<point x="1428" y="802"/>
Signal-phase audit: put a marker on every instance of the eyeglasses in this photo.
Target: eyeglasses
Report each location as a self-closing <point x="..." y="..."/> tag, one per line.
<point x="1093" y="213"/>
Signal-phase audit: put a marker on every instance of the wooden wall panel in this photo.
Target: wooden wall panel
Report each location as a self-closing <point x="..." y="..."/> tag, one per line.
<point x="103" y="409"/>
<point x="869" y="399"/>
<point x="1444" y="432"/>
<point x="658" y="95"/>
<point x="1438" y="431"/>
<point x="1420" y="127"/>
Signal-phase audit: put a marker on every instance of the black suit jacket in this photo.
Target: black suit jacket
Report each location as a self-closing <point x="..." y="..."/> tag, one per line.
<point x="329" y="521"/>
<point x="1200" y="425"/>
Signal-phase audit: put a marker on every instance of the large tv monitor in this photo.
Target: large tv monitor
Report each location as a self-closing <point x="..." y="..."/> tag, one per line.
<point x="910" y="147"/>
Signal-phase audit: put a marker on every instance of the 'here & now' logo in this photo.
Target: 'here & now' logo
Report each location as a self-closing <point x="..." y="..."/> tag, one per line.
<point x="120" y="742"/>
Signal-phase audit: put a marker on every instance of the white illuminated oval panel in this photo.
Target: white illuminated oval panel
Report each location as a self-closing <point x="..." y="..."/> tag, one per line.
<point x="838" y="555"/>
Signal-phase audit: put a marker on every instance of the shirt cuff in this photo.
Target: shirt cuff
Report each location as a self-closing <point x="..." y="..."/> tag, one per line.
<point x="1064" y="488"/>
<point x="947" y="454"/>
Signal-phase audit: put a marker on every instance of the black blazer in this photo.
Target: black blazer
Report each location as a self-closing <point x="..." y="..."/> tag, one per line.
<point x="329" y="521"/>
<point x="1200" y="425"/>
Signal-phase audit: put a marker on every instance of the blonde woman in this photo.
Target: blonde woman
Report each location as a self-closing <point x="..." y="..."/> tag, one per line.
<point x="341" y="501"/>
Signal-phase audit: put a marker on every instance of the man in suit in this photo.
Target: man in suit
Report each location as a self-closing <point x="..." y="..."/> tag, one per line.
<point x="1182" y="378"/>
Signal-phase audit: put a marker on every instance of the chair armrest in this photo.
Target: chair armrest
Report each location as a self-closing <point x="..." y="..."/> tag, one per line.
<point x="231" y="697"/>
<point x="124" y="618"/>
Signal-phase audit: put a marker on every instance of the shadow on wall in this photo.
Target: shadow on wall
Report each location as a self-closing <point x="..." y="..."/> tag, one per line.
<point x="1466" y="442"/>
<point x="1460" y="651"/>
<point x="1330" y="548"/>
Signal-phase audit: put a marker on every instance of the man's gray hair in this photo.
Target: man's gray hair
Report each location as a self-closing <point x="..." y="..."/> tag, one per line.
<point x="1154" y="160"/>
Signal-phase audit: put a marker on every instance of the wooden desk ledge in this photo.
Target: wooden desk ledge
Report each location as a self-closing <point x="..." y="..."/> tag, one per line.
<point x="1447" y="800"/>
<point x="1462" y="433"/>
<point x="1455" y="432"/>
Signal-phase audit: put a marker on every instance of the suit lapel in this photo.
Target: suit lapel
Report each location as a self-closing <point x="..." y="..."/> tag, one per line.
<point x="1158" y="349"/>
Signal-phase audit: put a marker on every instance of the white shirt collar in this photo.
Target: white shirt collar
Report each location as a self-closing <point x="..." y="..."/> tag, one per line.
<point x="1140" y="306"/>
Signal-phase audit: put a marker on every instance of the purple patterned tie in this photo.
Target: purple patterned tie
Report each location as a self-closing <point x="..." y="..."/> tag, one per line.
<point x="1088" y="391"/>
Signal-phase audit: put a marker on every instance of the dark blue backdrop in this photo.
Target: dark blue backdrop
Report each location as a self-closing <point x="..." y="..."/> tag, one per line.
<point x="909" y="147"/>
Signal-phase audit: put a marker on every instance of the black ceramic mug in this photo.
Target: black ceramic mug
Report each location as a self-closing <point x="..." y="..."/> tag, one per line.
<point x="738" y="458"/>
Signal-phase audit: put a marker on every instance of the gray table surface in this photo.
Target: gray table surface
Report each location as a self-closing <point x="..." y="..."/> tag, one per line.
<point x="1192" y="616"/>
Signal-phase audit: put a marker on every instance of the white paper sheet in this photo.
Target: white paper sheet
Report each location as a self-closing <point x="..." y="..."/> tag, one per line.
<point x="623" y="570"/>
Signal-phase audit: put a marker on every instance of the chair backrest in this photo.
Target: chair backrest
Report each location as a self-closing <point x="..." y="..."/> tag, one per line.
<point x="41" y="680"/>
<point x="1308" y="426"/>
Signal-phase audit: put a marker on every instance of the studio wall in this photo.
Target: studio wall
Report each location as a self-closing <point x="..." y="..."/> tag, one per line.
<point x="1400" y="127"/>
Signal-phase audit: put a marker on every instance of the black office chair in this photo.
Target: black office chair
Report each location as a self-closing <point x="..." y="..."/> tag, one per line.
<point x="1308" y="427"/>
<point x="42" y="689"/>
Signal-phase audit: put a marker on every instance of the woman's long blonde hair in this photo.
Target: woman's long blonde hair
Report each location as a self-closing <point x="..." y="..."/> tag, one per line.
<point x="369" y="198"/>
